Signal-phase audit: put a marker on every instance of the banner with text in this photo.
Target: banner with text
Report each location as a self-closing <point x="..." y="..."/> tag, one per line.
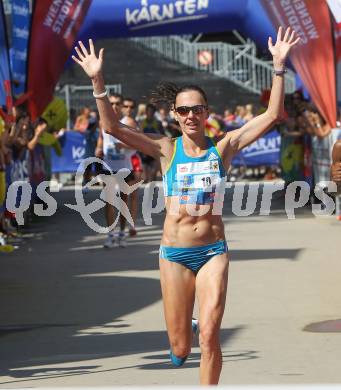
<point x="73" y="146"/>
<point x="314" y="58"/>
<point x="5" y="75"/>
<point x="264" y="151"/>
<point x="55" y="25"/>
<point x="122" y="18"/>
<point x="21" y="20"/>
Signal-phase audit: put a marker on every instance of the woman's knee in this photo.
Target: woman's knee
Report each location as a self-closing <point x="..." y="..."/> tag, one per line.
<point x="209" y="337"/>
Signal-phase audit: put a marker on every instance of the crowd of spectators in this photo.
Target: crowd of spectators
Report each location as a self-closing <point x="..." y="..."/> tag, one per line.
<point x="301" y="118"/>
<point x="29" y="143"/>
<point x="24" y="155"/>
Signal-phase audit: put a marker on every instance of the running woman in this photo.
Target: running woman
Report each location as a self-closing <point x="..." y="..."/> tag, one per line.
<point x="193" y="252"/>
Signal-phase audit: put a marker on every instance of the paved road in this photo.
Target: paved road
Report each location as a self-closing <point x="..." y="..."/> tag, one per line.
<point x="75" y="314"/>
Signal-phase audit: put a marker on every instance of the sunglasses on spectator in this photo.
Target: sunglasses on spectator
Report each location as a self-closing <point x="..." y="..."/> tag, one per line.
<point x="128" y="106"/>
<point x="185" y="110"/>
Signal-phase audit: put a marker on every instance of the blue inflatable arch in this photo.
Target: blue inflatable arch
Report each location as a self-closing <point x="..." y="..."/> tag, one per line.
<point x="136" y="18"/>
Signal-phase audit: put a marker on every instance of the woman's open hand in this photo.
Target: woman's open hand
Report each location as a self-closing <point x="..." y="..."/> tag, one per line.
<point x="281" y="49"/>
<point x="91" y="64"/>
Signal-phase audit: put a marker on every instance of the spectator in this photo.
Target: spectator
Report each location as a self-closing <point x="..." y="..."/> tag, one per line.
<point x="229" y="117"/>
<point x="169" y="125"/>
<point x="248" y="113"/>
<point x="141" y="112"/>
<point x="239" y="115"/>
<point x="150" y="125"/>
<point x="91" y="137"/>
<point x="82" y="120"/>
<point x="128" y="119"/>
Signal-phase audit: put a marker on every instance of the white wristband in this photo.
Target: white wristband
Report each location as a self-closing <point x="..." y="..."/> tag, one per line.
<point x="279" y="72"/>
<point x="100" y="95"/>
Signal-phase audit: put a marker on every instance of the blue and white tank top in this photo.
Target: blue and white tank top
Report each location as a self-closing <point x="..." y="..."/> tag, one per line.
<point x="196" y="180"/>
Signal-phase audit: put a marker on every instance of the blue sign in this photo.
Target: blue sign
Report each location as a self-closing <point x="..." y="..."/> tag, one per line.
<point x="73" y="145"/>
<point x="127" y="18"/>
<point x="264" y="151"/>
<point x="4" y="60"/>
<point x="21" y="20"/>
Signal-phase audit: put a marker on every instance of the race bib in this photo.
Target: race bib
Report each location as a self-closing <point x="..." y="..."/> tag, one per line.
<point x="196" y="182"/>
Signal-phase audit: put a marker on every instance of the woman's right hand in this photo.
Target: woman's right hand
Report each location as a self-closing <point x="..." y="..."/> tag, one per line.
<point x="91" y="64"/>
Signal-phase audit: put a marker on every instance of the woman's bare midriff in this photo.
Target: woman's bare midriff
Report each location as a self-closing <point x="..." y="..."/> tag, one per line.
<point x="190" y="225"/>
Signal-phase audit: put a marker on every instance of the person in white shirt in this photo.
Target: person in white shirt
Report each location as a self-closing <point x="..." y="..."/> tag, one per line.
<point x="128" y="108"/>
<point x="117" y="156"/>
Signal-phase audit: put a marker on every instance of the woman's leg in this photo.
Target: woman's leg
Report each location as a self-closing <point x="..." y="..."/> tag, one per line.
<point x="211" y="286"/>
<point x="178" y="293"/>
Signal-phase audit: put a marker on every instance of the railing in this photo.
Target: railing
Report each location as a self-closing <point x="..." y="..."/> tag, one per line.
<point x="79" y="96"/>
<point x="237" y="63"/>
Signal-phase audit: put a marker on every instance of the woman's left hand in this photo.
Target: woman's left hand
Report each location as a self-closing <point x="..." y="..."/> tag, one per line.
<point x="281" y="49"/>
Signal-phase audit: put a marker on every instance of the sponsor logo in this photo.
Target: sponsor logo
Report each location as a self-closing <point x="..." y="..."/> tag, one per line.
<point x="151" y="14"/>
<point x="212" y="156"/>
<point x="187" y="180"/>
<point x="263" y="146"/>
<point x="214" y="166"/>
<point x="78" y="152"/>
<point x="183" y="169"/>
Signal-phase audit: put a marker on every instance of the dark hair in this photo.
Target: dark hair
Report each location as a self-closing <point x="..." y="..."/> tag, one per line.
<point x="129" y="99"/>
<point x="299" y="94"/>
<point x="116" y="95"/>
<point x="166" y="93"/>
<point x="22" y="115"/>
<point x="38" y="122"/>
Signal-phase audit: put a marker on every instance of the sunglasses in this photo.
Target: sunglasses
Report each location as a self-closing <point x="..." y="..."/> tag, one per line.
<point x="128" y="106"/>
<point x="185" y="110"/>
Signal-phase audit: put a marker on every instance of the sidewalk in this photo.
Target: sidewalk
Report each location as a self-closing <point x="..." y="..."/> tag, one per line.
<point x="75" y="314"/>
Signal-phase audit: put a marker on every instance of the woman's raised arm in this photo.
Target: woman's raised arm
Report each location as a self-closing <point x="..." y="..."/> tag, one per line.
<point x="92" y="66"/>
<point x="256" y="127"/>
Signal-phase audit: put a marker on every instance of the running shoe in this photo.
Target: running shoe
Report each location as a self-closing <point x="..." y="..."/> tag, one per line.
<point x="122" y="241"/>
<point x="110" y="242"/>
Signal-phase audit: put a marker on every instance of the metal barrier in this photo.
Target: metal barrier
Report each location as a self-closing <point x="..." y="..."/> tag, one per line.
<point x="237" y="63"/>
<point x="78" y="96"/>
